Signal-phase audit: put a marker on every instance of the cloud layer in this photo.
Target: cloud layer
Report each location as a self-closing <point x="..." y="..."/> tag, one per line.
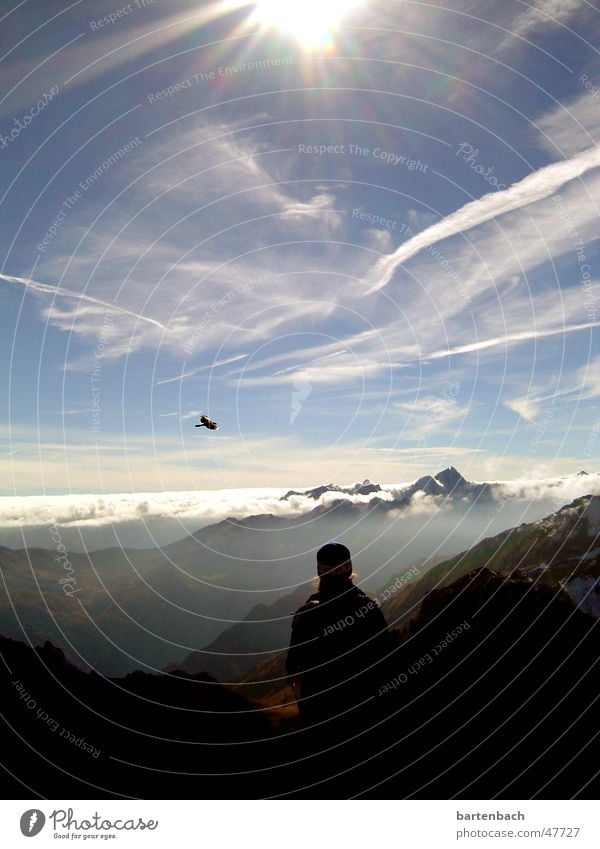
<point x="146" y="519"/>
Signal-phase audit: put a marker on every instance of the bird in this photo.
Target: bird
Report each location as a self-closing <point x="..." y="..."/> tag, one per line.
<point x="207" y="423"/>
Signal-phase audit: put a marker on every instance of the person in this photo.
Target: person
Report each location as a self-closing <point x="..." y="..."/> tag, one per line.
<point x="338" y="647"/>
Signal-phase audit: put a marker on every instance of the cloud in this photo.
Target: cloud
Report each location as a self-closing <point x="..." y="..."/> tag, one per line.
<point x="587" y="379"/>
<point x="61" y="292"/>
<point x="196" y="371"/>
<point x="317" y="204"/>
<point x="544" y="13"/>
<point x="192" y="414"/>
<point x="429" y="414"/>
<point x="110" y="519"/>
<point x="152" y="271"/>
<point x="529" y="190"/>
<point x="573" y="126"/>
<point x="510" y="339"/>
<point x="488" y="292"/>
<point x="335" y="374"/>
<point x="561" y="490"/>
<point x="582" y="384"/>
<point x="200" y="507"/>
<point x="524" y="279"/>
<point x="357" y="357"/>
<point x="209" y="247"/>
<point x="226" y="165"/>
<point x="527" y="408"/>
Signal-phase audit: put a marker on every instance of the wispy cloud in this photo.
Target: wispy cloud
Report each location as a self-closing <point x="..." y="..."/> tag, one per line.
<point x="530" y="189"/>
<point x="60" y="292"/>
<point x="206" y="367"/>
<point x="226" y="164"/>
<point x="192" y="414"/>
<point x="526" y="408"/>
<point x="540" y="14"/>
<point x="230" y="275"/>
<point x="510" y="339"/>
<point x="430" y="413"/>
<point x="582" y="384"/>
<point x="573" y="126"/>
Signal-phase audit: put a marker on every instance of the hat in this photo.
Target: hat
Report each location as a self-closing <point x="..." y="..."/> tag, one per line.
<point x="334" y="559"/>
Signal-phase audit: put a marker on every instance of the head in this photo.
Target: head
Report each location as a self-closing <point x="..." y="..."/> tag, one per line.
<point x="334" y="562"/>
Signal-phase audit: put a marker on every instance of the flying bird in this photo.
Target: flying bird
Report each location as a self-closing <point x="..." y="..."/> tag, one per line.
<point x="208" y="423"/>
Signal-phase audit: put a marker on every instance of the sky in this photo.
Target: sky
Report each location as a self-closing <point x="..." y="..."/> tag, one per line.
<point x="362" y="236"/>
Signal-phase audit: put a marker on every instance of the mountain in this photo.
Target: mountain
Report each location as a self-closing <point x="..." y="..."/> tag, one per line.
<point x="117" y="609"/>
<point x="559" y="552"/>
<point x="488" y="694"/>
<point x="448" y="482"/>
<point x="499" y="690"/>
<point x="488" y="686"/>
<point x="138" y="736"/>
<point x="264" y="632"/>
<point x="364" y="488"/>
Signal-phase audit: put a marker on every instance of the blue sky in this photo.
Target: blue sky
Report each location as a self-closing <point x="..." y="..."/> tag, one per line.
<point x="367" y="252"/>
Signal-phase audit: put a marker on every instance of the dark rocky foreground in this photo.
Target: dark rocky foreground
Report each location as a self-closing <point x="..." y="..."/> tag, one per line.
<point x="491" y="692"/>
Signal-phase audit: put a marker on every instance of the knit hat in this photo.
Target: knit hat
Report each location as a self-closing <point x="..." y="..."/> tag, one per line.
<point x="334" y="559"/>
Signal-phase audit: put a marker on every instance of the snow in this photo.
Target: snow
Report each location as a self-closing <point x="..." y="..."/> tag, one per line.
<point x="585" y="592"/>
<point x="590" y="555"/>
<point x="593" y="516"/>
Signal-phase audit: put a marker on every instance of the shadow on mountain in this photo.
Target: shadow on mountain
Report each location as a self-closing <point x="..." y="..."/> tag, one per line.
<point x="490" y="692"/>
<point x="494" y="695"/>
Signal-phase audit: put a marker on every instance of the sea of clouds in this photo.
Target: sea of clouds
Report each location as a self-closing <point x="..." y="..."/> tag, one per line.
<point x="147" y="519"/>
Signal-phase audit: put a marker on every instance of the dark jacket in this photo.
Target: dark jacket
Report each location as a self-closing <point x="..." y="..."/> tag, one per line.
<point x="338" y="648"/>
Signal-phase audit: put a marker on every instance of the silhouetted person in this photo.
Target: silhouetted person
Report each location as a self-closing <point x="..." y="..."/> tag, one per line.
<point x="338" y="645"/>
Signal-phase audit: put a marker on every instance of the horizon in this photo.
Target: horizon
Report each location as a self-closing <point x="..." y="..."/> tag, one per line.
<point x="266" y="490"/>
<point x="93" y="521"/>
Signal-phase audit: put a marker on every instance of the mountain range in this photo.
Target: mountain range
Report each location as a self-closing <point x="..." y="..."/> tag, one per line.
<point x="447" y="482"/>
<point x="488" y="692"/>
<point x="560" y="552"/>
<point x="224" y="589"/>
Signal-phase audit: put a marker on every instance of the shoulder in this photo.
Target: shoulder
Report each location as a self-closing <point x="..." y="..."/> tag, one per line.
<point x="369" y="612"/>
<point x="361" y="599"/>
<point x="310" y="604"/>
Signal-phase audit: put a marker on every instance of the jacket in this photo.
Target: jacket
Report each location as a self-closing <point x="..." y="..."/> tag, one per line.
<point x="338" y="647"/>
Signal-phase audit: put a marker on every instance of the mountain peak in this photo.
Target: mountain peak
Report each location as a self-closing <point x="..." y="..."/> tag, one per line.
<point x="450" y="478"/>
<point x="364" y="488"/>
<point x="587" y="506"/>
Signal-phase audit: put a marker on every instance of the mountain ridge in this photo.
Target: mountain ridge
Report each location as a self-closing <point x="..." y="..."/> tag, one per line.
<point x="151" y="606"/>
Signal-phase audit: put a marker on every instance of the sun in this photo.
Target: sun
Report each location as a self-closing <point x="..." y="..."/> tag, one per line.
<point x="311" y="21"/>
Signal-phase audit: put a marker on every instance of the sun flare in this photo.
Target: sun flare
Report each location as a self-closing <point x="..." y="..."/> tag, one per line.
<point x="310" y="21"/>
